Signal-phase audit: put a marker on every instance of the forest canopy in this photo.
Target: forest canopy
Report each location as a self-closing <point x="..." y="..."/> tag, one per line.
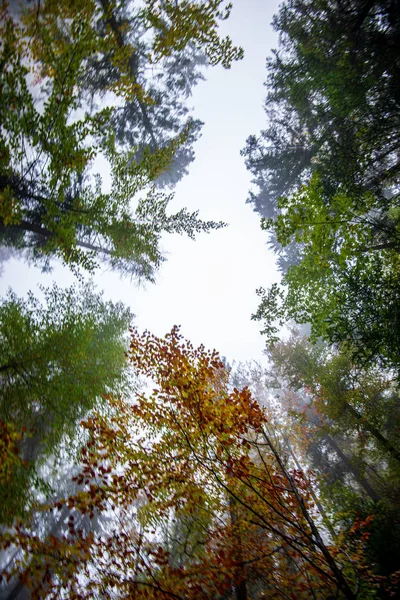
<point x="326" y="174"/>
<point x="75" y="95"/>
<point x="140" y="466"/>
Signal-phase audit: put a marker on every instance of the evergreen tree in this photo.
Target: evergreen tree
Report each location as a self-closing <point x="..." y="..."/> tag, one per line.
<point x="87" y="95"/>
<point x="332" y="104"/>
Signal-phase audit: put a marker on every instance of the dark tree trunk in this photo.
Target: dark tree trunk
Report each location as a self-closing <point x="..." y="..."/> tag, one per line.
<point x="341" y="581"/>
<point x="239" y="582"/>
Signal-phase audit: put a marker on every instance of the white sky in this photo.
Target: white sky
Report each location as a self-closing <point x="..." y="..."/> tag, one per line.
<point x="207" y="286"/>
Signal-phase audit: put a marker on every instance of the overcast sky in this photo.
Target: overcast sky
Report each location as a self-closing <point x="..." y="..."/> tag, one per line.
<point x="207" y="286"/>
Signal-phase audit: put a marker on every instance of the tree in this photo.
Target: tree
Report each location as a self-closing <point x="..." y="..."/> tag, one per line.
<point x="327" y="172"/>
<point x="145" y="124"/>
<point x="332" y="107"/>
<point x="57" y="360"/>
<point x="345" y="282"/>
<point x="332" y="88"/>
<point x="353" y="399"/>
<point x="52" y="201"/>
<point x="194" y="451"/>
<point x="346" y="421"/>
<point x="58" y="472"/>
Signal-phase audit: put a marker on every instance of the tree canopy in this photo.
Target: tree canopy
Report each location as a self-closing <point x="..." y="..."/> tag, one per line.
<point x="57" y="360"/>
<point x="327" y="174"/>
<point x="345" y="282"/>
<point x="194" y="464"/>
<point x="73" y="85"/>
<point x="143" y="467"/>
<point x="344" y="421"/>
<point x="332" y="102"/>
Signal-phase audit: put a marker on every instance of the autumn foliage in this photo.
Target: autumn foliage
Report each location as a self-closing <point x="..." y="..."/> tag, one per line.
<point x="9" y="451"/>
<point x="200" y="502"/>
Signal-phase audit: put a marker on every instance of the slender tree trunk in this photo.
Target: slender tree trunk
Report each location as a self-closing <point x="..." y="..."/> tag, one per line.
<point x="133" y="64"/>
<point x="7" y="367"/>
<point x="319" y="543"/>
<point x="34" y="228"/>
<point x="318" y="504"/>
<point x="240" y="571"/>
<point x="383" y="246"/>
<point x="38" y="229"/>
<point x="351" y="468"/>
<point x="367" y="426"/>
<point x="387" y="174"/>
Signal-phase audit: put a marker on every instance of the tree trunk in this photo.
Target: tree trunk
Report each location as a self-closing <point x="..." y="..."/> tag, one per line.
<point x="351" y="468"/>
<point x="239" y="582"/>
<point x="318" y="504"/>
<point x="133" y="64"/>
<point x="341" y="581"/>
<point x="39" y="230"/>
<point x="367" y="426"/>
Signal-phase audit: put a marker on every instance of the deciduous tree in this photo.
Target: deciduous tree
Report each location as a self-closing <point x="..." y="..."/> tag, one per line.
<point x="344" y="420"/>
<point x="194" y="451"/>
<point x="345" y="279"/>
<point x="57" y="360"/>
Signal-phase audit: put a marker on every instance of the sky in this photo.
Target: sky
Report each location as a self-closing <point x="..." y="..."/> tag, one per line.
<point x="206" y="286"/>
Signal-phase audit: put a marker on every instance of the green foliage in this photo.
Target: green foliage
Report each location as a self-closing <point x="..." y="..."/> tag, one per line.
<point x="356" y="401"/>
<point x="57" y="360"/>
<point x="179" y="23"/>
<point x="332" y="102"/>
<point x="270" y="308"/>
<point x="52" y="203"/>
<point x="345" y="282"/>
<point x="326" y="170"/>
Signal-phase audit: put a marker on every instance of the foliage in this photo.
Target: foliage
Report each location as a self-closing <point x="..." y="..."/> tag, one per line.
<point x="191" y="464"/>
<point x="9" y="451"/>
<point x="57" y="360"/>
<point x="344" y="420"/>
<point x="356" y="401"/>
<point x="51" y="201"/>
<point x="168" y="46"/>
<point x="327" y="174"/>
<point x="332" y="102"/>
<point x="178" y="23"/>
<point x="346" y="278"/>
